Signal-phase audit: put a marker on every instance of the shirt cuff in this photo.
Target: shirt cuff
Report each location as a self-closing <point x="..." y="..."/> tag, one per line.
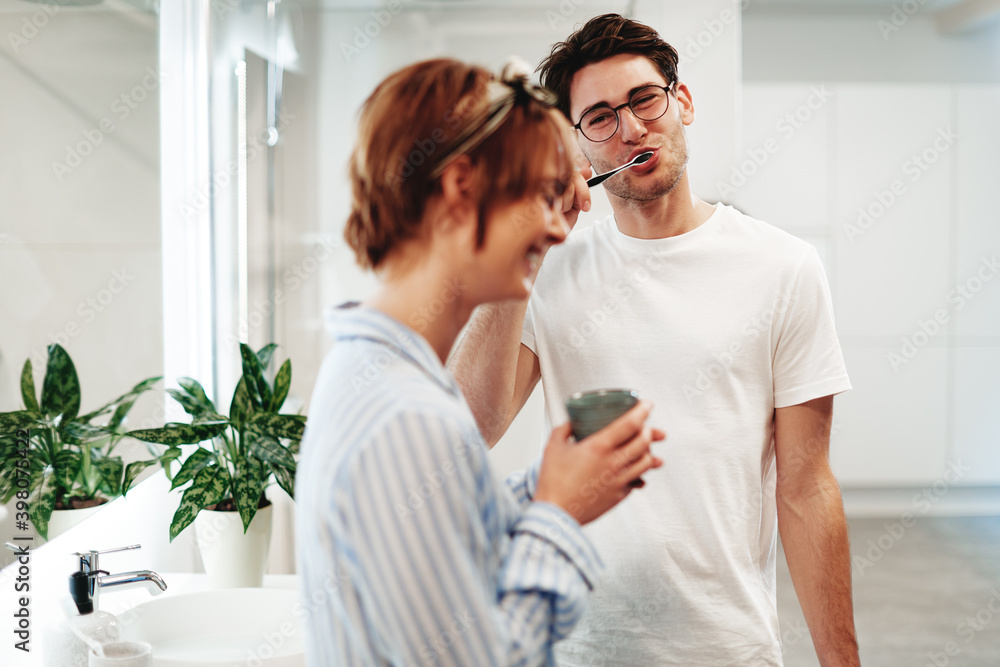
<point x="523" y="483"/>
<point x="554" y="525"/>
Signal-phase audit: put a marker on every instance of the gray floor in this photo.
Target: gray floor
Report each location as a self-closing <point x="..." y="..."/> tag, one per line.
<point x="919" y="592"/>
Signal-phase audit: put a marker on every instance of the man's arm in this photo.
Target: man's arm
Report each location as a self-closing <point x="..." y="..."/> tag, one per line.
<point x="814" y="530"/>
<point x="495" y="371"/>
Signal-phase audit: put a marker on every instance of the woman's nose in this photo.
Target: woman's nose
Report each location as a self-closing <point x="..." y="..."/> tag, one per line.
<point x="557" y="227"/>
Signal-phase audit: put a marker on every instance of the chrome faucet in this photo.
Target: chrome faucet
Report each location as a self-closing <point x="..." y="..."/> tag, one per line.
<point x="85" y="584"/>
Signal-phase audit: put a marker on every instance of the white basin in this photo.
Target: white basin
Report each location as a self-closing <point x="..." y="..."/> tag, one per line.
<point x="247" y="626"/>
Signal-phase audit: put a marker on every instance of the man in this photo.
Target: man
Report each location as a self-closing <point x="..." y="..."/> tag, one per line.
<point x="725" y="323"/>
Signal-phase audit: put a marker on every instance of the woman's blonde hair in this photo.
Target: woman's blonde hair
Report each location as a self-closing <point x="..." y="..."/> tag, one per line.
<point x="412" y="124"/>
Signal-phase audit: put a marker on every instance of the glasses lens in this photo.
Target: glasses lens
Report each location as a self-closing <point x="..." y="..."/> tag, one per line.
<point x="599" y="124"/>
<point x="649" y="103"/>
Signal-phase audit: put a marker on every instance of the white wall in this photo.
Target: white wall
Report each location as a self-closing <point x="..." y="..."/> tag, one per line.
<point x="925" y="392"/>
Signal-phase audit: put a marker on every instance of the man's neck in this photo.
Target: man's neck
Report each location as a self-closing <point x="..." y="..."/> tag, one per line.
<point x="677" y="212"/>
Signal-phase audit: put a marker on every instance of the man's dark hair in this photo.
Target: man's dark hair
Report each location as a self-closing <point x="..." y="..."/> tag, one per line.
<point x="600" y="38"/>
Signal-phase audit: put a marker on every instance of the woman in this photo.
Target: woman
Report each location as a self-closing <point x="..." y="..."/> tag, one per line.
<point x="410" y="551"/>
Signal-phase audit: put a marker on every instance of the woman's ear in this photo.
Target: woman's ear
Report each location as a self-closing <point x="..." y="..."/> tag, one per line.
<point x="458" y="193"/>
<point x="458" y="181"/>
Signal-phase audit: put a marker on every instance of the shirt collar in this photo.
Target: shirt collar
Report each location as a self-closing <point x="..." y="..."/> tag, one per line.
<point x="352" y="321"/>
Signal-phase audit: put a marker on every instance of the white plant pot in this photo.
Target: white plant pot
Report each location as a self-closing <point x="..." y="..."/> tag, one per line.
<point x="232" y="559"/>
<point x="63" y="520"/>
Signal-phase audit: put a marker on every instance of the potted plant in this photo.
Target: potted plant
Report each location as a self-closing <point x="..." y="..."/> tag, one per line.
<point x="68" y="462"/>
<point x="249" y="446"/>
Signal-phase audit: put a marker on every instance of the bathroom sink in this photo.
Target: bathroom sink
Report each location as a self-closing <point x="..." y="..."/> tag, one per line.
<point x="247" y="626"/>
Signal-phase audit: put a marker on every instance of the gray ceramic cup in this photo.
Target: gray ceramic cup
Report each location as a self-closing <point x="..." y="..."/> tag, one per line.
<point x="590" y="411"/>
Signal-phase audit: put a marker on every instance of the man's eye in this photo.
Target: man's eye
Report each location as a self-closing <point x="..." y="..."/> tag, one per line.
<point x="599" y="119"/>
<point x="643" y="101"/>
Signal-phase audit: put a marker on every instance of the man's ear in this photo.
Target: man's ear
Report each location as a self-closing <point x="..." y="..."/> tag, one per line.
<point x="685" y="104"/>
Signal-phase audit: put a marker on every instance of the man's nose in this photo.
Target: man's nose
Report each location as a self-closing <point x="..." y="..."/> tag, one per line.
<point x="631" y="128"/>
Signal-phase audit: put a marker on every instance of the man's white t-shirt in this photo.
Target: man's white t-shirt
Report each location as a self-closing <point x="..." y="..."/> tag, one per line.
<point x="717" y="327"/>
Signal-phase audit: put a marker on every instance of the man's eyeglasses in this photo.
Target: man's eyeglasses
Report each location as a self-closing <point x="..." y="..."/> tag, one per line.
<point x="648" y="103"/>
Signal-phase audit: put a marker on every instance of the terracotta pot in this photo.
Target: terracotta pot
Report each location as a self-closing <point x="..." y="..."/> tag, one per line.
<point x="232" y="559"/>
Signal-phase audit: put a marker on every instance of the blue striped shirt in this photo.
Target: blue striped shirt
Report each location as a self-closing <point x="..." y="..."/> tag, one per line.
<point x="411" y="552"/>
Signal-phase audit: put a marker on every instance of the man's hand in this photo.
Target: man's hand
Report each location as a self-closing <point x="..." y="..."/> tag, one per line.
<point x="576" y="198"/>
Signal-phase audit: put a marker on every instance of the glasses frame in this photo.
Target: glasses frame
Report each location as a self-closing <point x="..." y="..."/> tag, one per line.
<point x="618" y="121"/>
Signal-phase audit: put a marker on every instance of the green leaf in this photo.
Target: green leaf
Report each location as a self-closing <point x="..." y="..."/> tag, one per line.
<point x="66" y="467"/>
<point x="42" y="502"/>
<point x="208" y="487"/>
<point x="278" y="426"/>
<point x="132" y="471"/>
<point x="240" y="407"/>
<point x="282" y="383"/>
<point x="268" y="450"/>
<point x="285" y="478"/>
<point x="189" y="404"/>
<point x="134" y="392"/>
<point x="194" y="464"/>
<point x="79" y="433"/>
<point x="61" y="387"/>
<point x="166" y="458"/>
<point x="260" y="390"/>
<point x="197" y="393"/>
<point x="181" y="434"/>
<point x="248" y="484"/>
<point x="110" y="469"/>
<point x="28" y="387"/>
<point x="10" y="422"/>
<point x="264" y="355"/>
<point x="121" y="412"/>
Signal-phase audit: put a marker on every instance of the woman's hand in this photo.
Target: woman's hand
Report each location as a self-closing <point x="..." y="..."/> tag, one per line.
<point x="589" y="477"/>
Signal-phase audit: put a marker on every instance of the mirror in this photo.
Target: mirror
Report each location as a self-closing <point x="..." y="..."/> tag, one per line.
<point x="80" y="246"/>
